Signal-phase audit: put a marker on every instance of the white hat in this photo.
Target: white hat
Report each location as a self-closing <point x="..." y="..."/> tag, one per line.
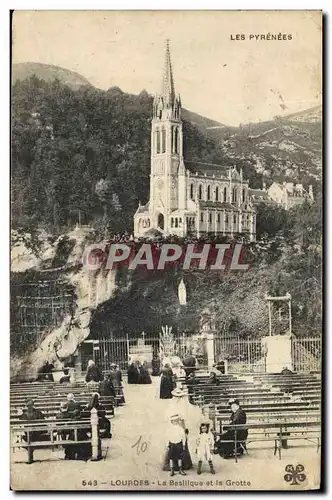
<point x="177" y="392"/>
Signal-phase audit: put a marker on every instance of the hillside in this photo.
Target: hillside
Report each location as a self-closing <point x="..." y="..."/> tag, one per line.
<point x="48" y="72"/>
<point x="85" y="153"/>
<point x="283" y="149"/>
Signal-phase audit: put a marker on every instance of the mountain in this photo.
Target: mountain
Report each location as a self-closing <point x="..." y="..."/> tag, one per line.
<point x="311" y="115"/>
<point x="282" y="149"/>
<point x="48" y="72"/>
<point x="201" y="122"/>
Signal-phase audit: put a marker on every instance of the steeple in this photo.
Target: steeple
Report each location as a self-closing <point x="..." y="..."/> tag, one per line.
<point x="168" y="92"/>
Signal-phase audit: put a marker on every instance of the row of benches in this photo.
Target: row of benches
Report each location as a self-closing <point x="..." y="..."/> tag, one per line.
<point x="273" y="413"/>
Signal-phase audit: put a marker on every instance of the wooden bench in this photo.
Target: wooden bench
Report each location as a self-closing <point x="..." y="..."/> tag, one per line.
<point x="52" y="430"/>
<point x="308" y="430"/>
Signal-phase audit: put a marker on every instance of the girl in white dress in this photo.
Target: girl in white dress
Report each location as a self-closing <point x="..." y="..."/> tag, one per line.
<point x="204" y="446"/>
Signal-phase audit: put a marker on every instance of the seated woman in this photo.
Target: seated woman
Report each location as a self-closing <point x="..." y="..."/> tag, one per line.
<point x="104" y="423"/>
<point x="238" y="417"/>
<point x="65" y="379"/>
<point x="93" y="373"/>
<point x="31" y="414"/>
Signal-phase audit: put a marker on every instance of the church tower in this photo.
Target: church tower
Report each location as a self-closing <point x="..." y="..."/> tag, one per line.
<point x="166" y="148"/>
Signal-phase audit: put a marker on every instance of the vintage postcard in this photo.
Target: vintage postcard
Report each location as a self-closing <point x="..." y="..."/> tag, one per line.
<point x="166" y="250"/>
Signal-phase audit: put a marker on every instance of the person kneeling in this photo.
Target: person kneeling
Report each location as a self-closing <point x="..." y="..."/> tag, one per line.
<point x="176" y="445"/>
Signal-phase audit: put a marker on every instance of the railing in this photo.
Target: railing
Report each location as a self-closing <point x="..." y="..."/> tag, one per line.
<point x="243" y="355"/>
<point x="306" y="354"/>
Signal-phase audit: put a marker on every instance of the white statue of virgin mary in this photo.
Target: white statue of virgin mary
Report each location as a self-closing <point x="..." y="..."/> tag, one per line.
<point x="182" y="293"/>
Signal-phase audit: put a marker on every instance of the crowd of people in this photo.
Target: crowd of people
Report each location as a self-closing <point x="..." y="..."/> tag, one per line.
<point x="177" y="379"/>
<point x="70" y="410"/>
<point x="138" y="372"/>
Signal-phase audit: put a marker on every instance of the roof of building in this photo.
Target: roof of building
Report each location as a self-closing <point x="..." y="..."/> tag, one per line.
<point x="143" y="208"/>
<point x="217" y="204"/>
<point x="168" y="92"/>
<point x="207" y="169"/>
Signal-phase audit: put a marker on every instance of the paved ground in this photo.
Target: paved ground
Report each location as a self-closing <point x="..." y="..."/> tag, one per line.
<point x="135" y="454"/>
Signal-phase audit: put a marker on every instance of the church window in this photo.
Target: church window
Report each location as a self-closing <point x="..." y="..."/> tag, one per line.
<point x="243" y="195"/>
<point x="218" y="218"/>
<point x="158" y="148"/>
<point x="210" y="217"/>
<point x="217" y="193"/>
<point x="225" y="194"/>
<point x="172" y="222"/>
<point x="200" y="192"/>
<point x="191" y="191"/>
<point x="180" y="220"/>
<point x="226" y="219"/>
<point x="176" y="222"/>
<point x="208" y="193"/>
<point x="163" y="140"/>
<point x="234" y="195"/>
<point x="176" y="140"/>
<point x="234" y="219"/>
<point x="202" y="217"/>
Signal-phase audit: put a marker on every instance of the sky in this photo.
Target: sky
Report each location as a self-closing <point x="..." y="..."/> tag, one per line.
<point x="228" y="80"/>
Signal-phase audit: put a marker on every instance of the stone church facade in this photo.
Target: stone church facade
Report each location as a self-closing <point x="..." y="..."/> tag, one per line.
<point x="206" y="199"/>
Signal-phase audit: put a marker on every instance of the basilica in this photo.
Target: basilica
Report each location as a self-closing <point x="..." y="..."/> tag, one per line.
<point x="206" y="199"/>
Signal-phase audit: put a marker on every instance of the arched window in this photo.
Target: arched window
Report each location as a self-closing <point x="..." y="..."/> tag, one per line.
<point x="218" y="218"/>
<point x="176" y="222"/>
<point x="234" y="219"/>
<point x="208" y="193"/>
<point x="243" y="195"/>
<point x="202" y="217"/>
<point x="234" y="195"/>
<point x="158" y="148"/>
<point x="172" y="222"/>
<point x="163" y="140"/>
<point x="217" y="193"/>
<point x="200" y="192"/>
<point x="191" y="191"/>
<point x="225" y="193"/>
<point x="210" y="217"/>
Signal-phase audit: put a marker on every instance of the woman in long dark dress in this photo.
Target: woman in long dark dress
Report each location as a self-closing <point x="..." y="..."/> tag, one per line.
<point x="166" y="383"/>
<point x="155" y="364"/>
<point x="145" y="376"/>
<point x="133" y="373"/>
<point x="93" y="373"/>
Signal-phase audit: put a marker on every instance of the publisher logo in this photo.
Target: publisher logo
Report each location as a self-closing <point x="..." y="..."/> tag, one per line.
<point x="294" y="475"/>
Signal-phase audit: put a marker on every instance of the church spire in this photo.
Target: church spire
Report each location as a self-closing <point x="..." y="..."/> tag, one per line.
<point x="168" y="92"/>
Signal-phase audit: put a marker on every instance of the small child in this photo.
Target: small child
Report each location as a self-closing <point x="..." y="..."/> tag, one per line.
<point x="176" y="444"/>
<point x="204" y="445"/>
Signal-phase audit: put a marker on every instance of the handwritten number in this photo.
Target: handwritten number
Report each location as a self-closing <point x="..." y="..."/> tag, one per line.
<point x="141" y="446"/>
